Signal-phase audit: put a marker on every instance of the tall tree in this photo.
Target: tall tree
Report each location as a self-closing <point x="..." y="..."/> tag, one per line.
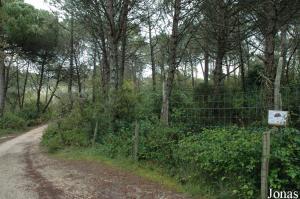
<point x="270" y="17"/>
<point x="38" y="40"/>
<point x="168" y="84"/>
<point x="2" y="59"/>
<point x="71" y="67"/>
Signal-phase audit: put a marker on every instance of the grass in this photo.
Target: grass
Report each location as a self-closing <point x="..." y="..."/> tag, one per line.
<point x="6" y="132"/>
<point x="142" y="169"/>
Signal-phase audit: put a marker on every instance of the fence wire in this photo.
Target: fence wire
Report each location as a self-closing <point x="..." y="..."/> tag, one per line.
<point x="233" y="108"/>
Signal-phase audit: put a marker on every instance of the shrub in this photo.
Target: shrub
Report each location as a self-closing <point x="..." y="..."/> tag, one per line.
<point x="158" y="142"/>
<point x="12" y="121"/>
<point x="52" y="139"/>
<point x="285" y="161"/>
<point x="71" y="131"/>
<point x="125" y="101"/>
<point x="227" y="160"/>
<point x="55" y="139"/>
<point x="118" y="144"/>
<point x="231" y="158"/>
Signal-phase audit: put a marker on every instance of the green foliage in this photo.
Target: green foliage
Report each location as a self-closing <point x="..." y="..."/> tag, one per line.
<point x="30" y="115"/>
<point x="231" y="158"/>
<point x="19" y="120"/>
<point x="35" y="31"/>
<point x="155" y="142"/>
<point x="222" y="157"/>
<point x="12" y="121"/>
<point x="55" y="139"/>
<point x="117" y="144"/>
<point x="254" y="78"/>
<point x="285" y="161"/>
<point x="125" y="103"/>
<point x="73" y="130"/>
<point x="158" y="142"/>
<point x="52" y="139"/>
<point x="226" y="159"/>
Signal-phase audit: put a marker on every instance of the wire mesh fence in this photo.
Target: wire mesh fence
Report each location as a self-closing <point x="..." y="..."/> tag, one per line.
<point x="233" y="108"/>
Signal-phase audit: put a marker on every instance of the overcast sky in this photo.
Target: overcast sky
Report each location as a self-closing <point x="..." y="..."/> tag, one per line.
<point x="40" y="4"/>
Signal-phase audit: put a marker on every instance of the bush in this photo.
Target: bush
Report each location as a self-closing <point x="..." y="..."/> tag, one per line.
<point x="118" y="144"/>
<point x="157" y="143"/>
<point x="55" y="138"/>
<point x="227" y="160"/>
<point x="125" y="100"/>
<point x="231" y="158"/>
<point x="12" y="121"/>
<point x="285" y="161"/>
<point x="71" y="131"/>
<point x="52" y="139"/>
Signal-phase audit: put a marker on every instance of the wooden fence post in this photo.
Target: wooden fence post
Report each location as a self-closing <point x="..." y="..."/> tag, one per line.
<point x="265" y="164"/>
<point x="136" y="141"/>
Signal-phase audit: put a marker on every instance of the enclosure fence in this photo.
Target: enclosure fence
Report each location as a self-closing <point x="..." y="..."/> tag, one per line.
<point x="232" y="108"/>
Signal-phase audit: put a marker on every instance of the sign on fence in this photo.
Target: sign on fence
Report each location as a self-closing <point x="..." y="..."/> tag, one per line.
<point x="277" y="118"/>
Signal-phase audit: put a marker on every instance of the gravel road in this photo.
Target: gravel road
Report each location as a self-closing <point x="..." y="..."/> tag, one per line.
<point x="27" y="173"/>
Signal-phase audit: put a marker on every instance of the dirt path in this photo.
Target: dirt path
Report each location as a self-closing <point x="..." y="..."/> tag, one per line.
<point x="26" y="173"/>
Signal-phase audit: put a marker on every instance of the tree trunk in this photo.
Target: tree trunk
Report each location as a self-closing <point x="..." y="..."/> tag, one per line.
<point x="47" y="87"/>
<point x="218" y="72"/>
<point x="192" y="71"/>
<point x="24" y="86"/>
<point x="2" y="82"/>
<point x="152" y="53"/>
<point x="280" y="67"/>
<point x="114" y="59"/>
<point x="40" y="86"/>
<point x="54" y="90"/>
<point x="241" y="57"/>
<point x="269" y="68"/>
<point x="277" y="95"/>
<point x="123" y="59"/>
<point x="136" y="141"/>
<point x="242" y="66"/>
<point x="124" y="42"/>
<point x="284" y="49"/>
<point x="78" y="74"/>
<point x="167" y="88"/>
<point x="7" y="79"/>
<point x="165" y="105"/>
<point x="162" y="68"/>
<point x="113" y="44"/>
<point x="94" y="74"/>
<point x="221" y="46"/>
<point x="269" y="33"/>
<point x="105" y="65"/>
<point x="18" y="85"/>
<point x="206" y="67"/>
<point x="71" y="68"/>
<point x="227" y="68"/>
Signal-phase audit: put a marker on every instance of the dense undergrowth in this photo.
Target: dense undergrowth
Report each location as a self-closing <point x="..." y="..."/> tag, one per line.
<point x="20" y="120"/>
<point x="223" y="162"/>
<point x="219" y="162"/>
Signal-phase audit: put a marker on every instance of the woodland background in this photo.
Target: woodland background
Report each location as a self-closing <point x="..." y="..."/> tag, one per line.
<point x="180" y="85"/>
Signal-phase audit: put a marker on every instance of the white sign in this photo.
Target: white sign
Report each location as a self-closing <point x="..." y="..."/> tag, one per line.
<point x="277" y="118"/>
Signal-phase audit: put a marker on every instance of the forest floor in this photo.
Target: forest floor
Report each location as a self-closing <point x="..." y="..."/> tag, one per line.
<point x="28" y="172"/>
